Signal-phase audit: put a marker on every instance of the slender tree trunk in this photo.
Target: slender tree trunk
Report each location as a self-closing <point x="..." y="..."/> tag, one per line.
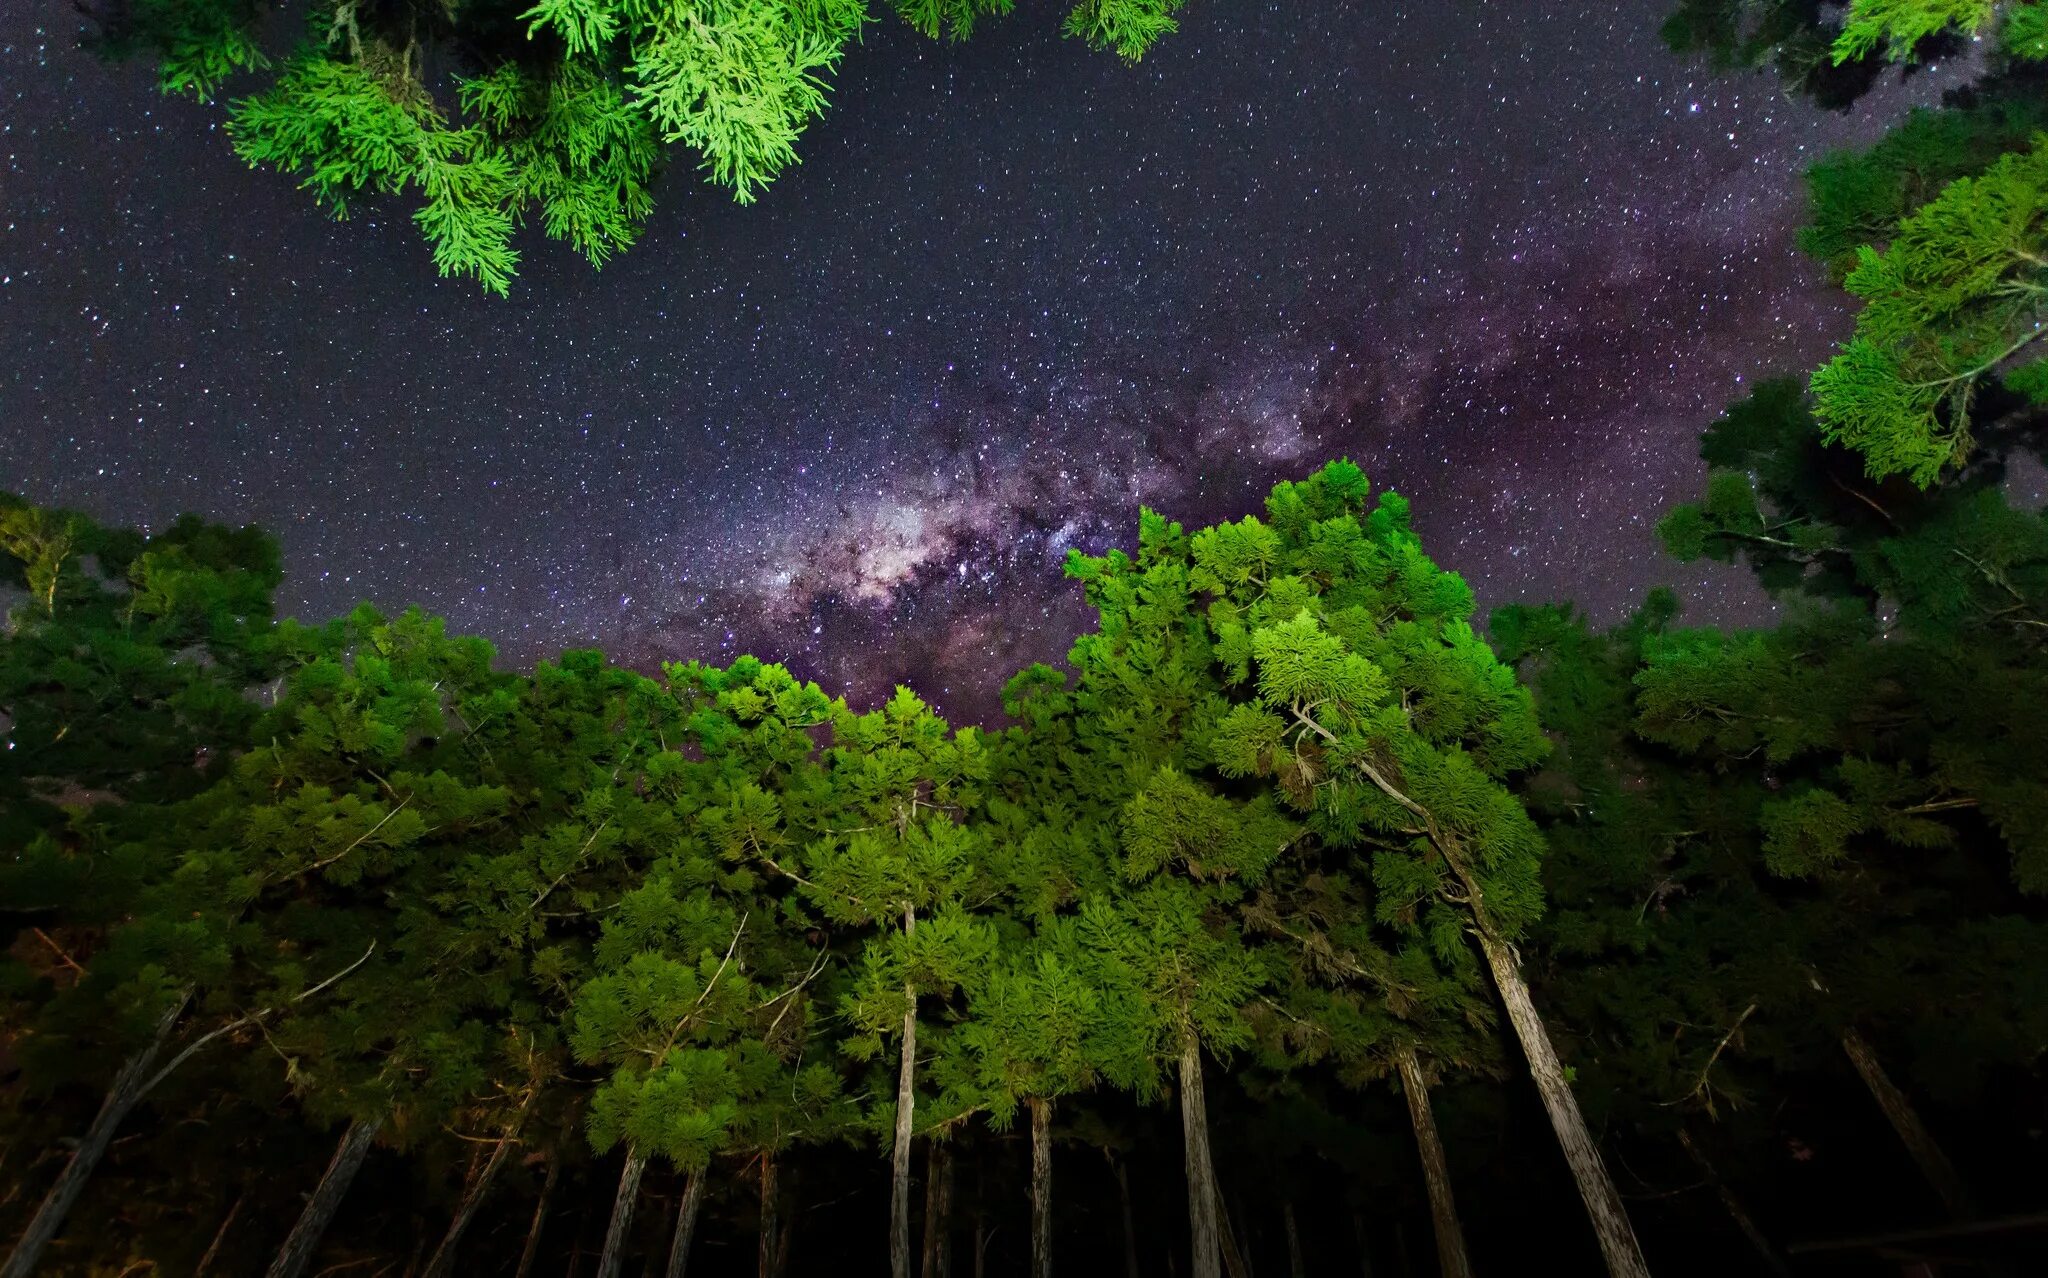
<point x="1603" y="1203"/>
<point x="1364" y="1242"/>
<point x="906" y="1072"/>
<point x="1905" y="1120"/>
<point x="938" y="1211"/>
<point x="1206" y="1251"/>
<point x="1041" y="1186"/>
<point x="1736" y="1211"/>
<point x="540" y="1217"/>
<point x="785" y="1208"/>
<point x="443" y="1260"/>
<point x="1233" y="1255"/>
<point x="768" y="1252"/>
<point x="686" y="1224"/>
<point x="213" y="1248"/>
<point x="126" y="1092"/>
<point x="1123" y="1195"/>
<point x="614" y="1255"/>
<point x="304" y="1240"/>
<point x="1295" y="1268"/>
<point x="1436" y="1172"/>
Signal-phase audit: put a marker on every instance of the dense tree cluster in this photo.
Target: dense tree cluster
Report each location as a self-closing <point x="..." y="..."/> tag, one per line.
<point x="1287" y="835"/>
<point x="485" y="112"/>
<point x="1290" y="882"/>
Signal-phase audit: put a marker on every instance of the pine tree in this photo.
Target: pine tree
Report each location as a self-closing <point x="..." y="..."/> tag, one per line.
<point x="898" y="857"/>
<point x="1345" y="672"/>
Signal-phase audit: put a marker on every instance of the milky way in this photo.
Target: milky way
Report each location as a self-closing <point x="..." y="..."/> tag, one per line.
<point x="1510" y="258"/>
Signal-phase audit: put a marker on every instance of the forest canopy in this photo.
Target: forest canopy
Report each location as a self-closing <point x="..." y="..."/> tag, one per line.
<point x="1300" y="905"/>
<point x="1286" y="834"/>
<point x="484" y="113"/>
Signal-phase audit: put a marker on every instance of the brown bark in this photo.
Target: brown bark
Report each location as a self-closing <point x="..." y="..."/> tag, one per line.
<point x="938" y="1210"/>
<point x="540" y="1217"/>
<point x="1294" y="1264"/>
<point x="123" y="1095"/>
<point x="1736" y="1211"/>
<point x="219" y="1235"/>
<point x="304" y="1240"/>
<point x="1436" y="1171"/>
<point x="1041" y="1186"/>
<point x="1206" y="1242"/>
<point x="1603" y="1204"/>
<point x="614" y="1255"/>
<point x="768" y="1254"/>
<point x="686" y="1224"/>
<point x="906" y="1073"/>
<point x="1905" y="1120"/>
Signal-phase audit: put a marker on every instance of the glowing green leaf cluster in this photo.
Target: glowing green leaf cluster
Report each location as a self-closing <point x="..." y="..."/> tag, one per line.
<point x="567" y="106"/>
<point x="1957" y="293"/>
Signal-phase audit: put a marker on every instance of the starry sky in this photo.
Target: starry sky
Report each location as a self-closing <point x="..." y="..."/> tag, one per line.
<point x="1508" y="257"/>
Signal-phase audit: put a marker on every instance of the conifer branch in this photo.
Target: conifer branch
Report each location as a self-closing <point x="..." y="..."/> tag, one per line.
<point x="253" y="1018"/>
<point x="358" y="840"/>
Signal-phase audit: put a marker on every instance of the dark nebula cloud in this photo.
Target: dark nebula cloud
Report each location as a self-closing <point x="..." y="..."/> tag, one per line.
<point x="1510" y="258"/>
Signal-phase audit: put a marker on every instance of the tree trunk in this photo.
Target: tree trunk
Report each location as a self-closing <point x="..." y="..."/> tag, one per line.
<point x="1041" y="1186"/>
<point x="785" y="1209"/>
<point x="938" y="1211"/>
<point x="540" y="1216"/>
<point x="1123" y="1195"/>
<point x="1233" y="1255"/>
<point x="1294" y="1265"/>
<point x="686" y="1224"/>
<point x="768" y="1252"/>
<point x="1736" y="1211"/>
<point x="899" y="1191"/>
<point x="1206" y="1244"/>
<point x="1436" y="1172"/>
<point x="1364" y="1242"/>
<point x="614" y="1255"/>
<point x="304" y="1241"/>
<point x="443" y="1259"/>
<point x="1905" y="1120"/>
<point x="213" y="1248"/>
<point x="1603" y="1203"/>
<point x="128" y="1089"/>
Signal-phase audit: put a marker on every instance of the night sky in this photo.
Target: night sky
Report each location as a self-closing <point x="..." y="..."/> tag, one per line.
<point x="1509" y="257"/>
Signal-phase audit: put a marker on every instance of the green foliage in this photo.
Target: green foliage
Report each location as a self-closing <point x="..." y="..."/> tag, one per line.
<point x="1794" y="38"/>
<point x="372" y="877"/>
<point x="1856" y="198"/>
<point x="567" y="107"/>
<point x="1900" y="25"/>
<point x="2025" y="33"/>
<point x="1955" y="295"/>
<point x="1129" y="27"/>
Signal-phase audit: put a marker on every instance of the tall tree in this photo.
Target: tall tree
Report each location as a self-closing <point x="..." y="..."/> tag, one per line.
<point x="1345" y="671"/>
<point x="899" y="859"/>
